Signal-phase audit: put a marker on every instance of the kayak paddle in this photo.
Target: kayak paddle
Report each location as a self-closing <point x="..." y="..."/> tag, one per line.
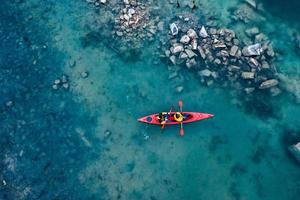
<point x="180" y="103"/>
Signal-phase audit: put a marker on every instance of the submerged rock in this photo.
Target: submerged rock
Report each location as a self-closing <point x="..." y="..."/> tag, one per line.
<point x="268" y="84"/>
<point x="107" y="133"/>
<point x="252" y="31"/>
<point x="172" y="75"/>
<point x="84" y="74"/>
<point x="249" y="90"/>
<point x="179" y="89"/>
<point x="173" y="59"/>
<point x="248" y="75"/>
<point x="205" y="72"/>
<point x="295" y="150"/>
<point x="55" y="87"/>
<point x="9" y="103"/>
<point x="191" y="63"/>
<point x="57" y="81"/>
<point x="275" y="91"/>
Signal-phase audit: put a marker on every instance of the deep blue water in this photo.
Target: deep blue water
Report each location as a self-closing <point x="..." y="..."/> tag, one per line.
<point x="83" y="141"/>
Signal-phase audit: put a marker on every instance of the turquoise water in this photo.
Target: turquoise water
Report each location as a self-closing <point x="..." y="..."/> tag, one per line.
<point x="83" y="141"/>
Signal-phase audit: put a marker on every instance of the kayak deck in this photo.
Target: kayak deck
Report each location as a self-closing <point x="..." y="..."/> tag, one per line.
<point x="188" y="117"/>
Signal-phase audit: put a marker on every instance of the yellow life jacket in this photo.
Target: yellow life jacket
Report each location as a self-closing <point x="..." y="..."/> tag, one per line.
<point x="178" y="117"/>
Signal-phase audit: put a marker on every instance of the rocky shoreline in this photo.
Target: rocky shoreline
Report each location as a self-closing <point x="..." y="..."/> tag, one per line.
<point x="217" y="55"/>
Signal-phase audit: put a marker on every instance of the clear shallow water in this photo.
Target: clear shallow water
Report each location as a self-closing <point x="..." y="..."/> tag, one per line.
<point x="55" y="144"/>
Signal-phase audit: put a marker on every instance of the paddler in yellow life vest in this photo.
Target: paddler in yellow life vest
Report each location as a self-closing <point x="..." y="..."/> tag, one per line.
<point x="178" y="117"/>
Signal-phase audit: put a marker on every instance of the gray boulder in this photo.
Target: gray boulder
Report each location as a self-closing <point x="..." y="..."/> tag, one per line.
<point x="174" y="29"/>
<point x="185" y="39"/>
<point x="177" y="48"/>
<point x="192" y="33"/>
<point x="190" y="53"/>
<point x="233" y="50"/>
<point x="268" y="84"/>
<point x="173" y="59"/>
<point x="183" y="55"/>
<point x="201" y="51"/>
<point x="203" y="33"/>
<point x="248" y="75"/>
<point x="205" y="73"/>
<point x="252" y="50"/>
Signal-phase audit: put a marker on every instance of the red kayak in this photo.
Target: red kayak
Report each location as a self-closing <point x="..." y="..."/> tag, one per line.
<point x="172" y="118"/>
<point x="188" y="117"/>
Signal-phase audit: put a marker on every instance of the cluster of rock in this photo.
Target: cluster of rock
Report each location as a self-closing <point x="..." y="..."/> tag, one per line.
<point x="63" y="82"/>
<point x="219" y="56"/>
<point x="133" y="22"/>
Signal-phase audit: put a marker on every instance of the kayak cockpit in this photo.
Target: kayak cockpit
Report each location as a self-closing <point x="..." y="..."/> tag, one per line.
<point x="172" y="117"/>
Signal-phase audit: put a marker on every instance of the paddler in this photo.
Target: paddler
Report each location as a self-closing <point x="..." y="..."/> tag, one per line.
<point x="178" y="117"/>
<point x="163" y="117"/>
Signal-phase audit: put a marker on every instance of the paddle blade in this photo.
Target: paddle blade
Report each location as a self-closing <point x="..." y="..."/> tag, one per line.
<point x="180" y="103"/>
<point x="181" y="132"/>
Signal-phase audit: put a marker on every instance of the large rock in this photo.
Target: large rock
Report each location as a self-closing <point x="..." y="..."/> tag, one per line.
<point x="205" y="73"/>
<point x="185" y="39"/>
<point x="192" y="33"/>
<point x="268" y="84"/>
<point x="252" y="50"/>
<point x="233" y="50"/>
<point x="177" y="48"/>
<point x="183" y="55"/>
<point x="253" y="62"/>
<point x="295" y="150"/>
<point x="190" y="53"/>
<point x="173" y="59"/>
<point x="251" y="3"/>
<point x="203" y="33"/>
<point x="174" y="29"/>
<point x="194" y="44"/>
<point x="248" y="75"/>
<point x="202" y="52"/>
